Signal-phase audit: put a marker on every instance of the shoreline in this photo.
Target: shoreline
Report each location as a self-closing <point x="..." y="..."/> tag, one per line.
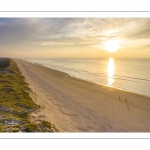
<point x="88" y="80"/>
<point x="76" y="105"/>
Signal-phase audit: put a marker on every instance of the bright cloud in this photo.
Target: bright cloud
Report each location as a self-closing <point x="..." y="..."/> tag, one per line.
<point x="88" y="34"/>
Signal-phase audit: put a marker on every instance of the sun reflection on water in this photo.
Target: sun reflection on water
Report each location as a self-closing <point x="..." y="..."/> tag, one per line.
<point x="110" y="71"/>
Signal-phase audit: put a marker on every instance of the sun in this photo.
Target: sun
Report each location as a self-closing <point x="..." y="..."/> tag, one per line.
<point x="112" y="45"/>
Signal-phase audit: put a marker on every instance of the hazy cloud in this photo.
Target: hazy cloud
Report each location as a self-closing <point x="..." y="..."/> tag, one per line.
<point x="48" y="33"/>
<point x="143" y="32"/>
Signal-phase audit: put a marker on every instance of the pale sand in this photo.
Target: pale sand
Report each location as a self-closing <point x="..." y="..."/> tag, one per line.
<point x="75" y="105"/>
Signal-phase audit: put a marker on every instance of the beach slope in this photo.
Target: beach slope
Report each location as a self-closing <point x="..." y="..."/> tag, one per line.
<point x="74" y="105"/>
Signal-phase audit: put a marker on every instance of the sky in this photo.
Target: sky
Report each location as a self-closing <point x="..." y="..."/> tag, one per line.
<point x="74" y="37"/>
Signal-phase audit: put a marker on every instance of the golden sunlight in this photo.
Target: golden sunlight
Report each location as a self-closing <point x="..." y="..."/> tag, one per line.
<point x="110" y="71"/>
<point x="112" y="45"/>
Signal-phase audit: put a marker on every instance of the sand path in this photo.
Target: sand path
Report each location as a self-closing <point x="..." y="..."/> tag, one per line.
<point x="75" y="105"/>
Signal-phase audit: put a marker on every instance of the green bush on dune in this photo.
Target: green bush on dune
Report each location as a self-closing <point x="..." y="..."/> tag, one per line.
<point x="15" y="101"/>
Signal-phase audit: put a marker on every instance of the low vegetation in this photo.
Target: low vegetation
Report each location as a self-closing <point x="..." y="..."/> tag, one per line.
<point x="16" y="104"/>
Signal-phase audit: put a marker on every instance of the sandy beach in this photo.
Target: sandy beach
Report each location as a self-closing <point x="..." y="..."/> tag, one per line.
<point x="75" y="105"/>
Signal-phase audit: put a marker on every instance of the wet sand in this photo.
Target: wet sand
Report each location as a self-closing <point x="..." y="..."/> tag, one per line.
<point x="75" y="105"/>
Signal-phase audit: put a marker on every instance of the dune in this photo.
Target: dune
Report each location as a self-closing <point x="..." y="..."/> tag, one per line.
<point x="75" y="105"/>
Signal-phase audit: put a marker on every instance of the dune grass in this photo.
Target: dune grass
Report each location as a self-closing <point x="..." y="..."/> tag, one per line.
<point x="16" y="103"/>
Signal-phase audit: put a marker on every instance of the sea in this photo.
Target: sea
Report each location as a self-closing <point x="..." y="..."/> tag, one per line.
<point x="129" y="74"/>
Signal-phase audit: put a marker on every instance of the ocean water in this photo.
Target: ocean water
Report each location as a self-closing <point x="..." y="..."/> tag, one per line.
<point x="127" y="74"/>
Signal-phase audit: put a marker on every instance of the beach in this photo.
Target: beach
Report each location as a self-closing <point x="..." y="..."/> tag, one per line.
<point x="75" y="105"/>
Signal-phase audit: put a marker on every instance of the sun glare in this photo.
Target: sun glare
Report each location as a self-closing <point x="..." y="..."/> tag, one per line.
<point x="112" y="45"/>
<point x="110" y="71"/>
